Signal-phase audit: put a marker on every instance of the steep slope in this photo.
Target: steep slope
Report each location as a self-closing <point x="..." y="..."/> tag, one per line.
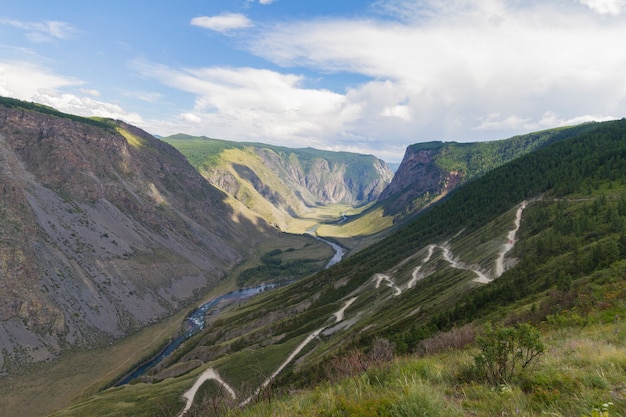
<point x="430" y="170"/>
<point x="103" y="229"/>
<point x="546" y="228"/>
<point x="283" y="183"/>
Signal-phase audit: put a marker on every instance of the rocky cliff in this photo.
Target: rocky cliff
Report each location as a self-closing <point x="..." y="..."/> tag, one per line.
<point x="281" y="183"/>
<point x="419" y="180"/>
<point x="103" y="229"/>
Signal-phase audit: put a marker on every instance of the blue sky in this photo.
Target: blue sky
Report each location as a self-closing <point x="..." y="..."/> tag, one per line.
<point x="354" y="75"/>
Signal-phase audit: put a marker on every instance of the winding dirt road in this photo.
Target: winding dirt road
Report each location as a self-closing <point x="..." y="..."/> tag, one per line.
<point x="511" y="241"/>
<point x="338" y="317"/>
<point x="208" y="374"/>
<point x="378" y="279"/>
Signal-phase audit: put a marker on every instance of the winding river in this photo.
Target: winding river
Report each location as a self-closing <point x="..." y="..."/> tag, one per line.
<point x="195" y="322"/>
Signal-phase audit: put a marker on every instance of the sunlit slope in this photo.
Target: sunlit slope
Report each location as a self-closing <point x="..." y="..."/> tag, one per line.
<point x="285" y="185"/>
<point x="431" y="171"/>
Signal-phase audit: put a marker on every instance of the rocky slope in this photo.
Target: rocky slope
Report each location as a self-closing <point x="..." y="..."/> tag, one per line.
<point x="419" y="180"/>
<point x="103" y="229"/>
<point x="282" y="183"/>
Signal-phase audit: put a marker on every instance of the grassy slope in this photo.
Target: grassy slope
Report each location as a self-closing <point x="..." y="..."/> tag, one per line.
<point x="582" y="369"/>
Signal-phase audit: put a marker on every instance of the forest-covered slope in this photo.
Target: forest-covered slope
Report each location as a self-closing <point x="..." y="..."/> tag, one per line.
<point x="431" y="170"/>
<point x="541" y="239"/>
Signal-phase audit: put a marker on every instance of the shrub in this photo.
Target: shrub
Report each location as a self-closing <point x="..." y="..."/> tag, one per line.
<point x="457" y="338"/>
<point x="506" y="351"/>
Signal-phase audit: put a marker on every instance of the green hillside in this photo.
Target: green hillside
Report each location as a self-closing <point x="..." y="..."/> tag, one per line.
<point x="430" y="171"/>
<point x="293" y="189"/>
<point x="423" y="295"/>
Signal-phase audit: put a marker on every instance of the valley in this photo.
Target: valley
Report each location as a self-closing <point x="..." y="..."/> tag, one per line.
<point x="311" y="269"/>
<point x="377" y="279"/>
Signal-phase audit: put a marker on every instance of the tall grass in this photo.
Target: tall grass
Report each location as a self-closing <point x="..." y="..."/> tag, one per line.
<point x="582" y="370"/>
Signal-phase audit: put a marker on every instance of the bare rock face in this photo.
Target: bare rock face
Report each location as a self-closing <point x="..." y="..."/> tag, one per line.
<point x="419" y="181"/>
<point x="103" y="229"/>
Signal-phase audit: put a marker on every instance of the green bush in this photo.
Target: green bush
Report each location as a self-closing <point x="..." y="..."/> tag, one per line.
<point x="506" y="351"/>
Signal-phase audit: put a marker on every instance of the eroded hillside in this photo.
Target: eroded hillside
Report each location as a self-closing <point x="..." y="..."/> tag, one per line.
<point x="103" y="230"/>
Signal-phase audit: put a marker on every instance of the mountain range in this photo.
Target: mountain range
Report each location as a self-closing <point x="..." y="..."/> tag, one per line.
<point x="108" y="236"/>
<point x="284" y="184"/>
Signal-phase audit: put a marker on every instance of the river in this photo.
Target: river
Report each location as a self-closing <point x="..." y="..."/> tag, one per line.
<point x="195" y="322"/>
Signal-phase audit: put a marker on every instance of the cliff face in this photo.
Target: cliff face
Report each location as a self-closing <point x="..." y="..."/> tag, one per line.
<point x="355" y="179"/>
<point x="282" y="183"/>
<point x="103" y="229"/>
<point x="419" y="181"/>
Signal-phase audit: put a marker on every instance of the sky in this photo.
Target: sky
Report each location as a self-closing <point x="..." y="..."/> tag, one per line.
<point x="353" y="75"/>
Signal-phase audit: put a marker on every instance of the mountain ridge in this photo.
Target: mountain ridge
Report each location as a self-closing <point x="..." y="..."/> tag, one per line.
<point x="431" y="170"/>
<point x="283" y="184"/>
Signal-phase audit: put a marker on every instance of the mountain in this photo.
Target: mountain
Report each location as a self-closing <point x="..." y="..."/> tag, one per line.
<point x="280" y="183"/>
<point x="103" y="230"/>
<point x="430" y="170"/>
<point x="540" y="239"/>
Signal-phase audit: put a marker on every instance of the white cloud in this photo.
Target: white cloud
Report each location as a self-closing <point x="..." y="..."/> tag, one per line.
<point x="266" y="1"/>
<point x="399" y="111"/>
<point x="30" y="82"/>
<point x="190" y="118"/>
<point x="457" y="62"/>
<point x="43" y="31"/>
<point x="612" y="7"/>
<point x="86" y="106"/>
<point x="257" y="104"/>
<point x="25" y="80"/>
<point x="223" y="23"/>
<point x="452" y="70"/>
<point x="495" y="121"/>
<point x="90" y="92"/>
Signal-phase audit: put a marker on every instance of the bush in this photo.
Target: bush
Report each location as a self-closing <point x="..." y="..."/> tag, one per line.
<point x="506" y="351"/>
<point x="455" y="339"/>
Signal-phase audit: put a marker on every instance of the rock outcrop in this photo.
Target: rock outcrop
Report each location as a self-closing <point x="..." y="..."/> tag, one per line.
<point x="419" y="180"/>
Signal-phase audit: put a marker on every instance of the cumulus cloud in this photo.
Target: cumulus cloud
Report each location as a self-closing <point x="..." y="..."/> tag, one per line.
<point x="223" y="22"/>
<point x="24" y="80"/>
<point x="30" y="82"/>
<point x="257" y="104"/>
<point x="86" y="106"/>
<point x="429" y="70"/>
<point x="190" y="118"/>
<point x="459" y="62"/>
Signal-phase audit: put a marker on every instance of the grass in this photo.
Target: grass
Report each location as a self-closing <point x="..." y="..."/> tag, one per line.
<point x="581" y="370"/>
<point x="133" y="140"/>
